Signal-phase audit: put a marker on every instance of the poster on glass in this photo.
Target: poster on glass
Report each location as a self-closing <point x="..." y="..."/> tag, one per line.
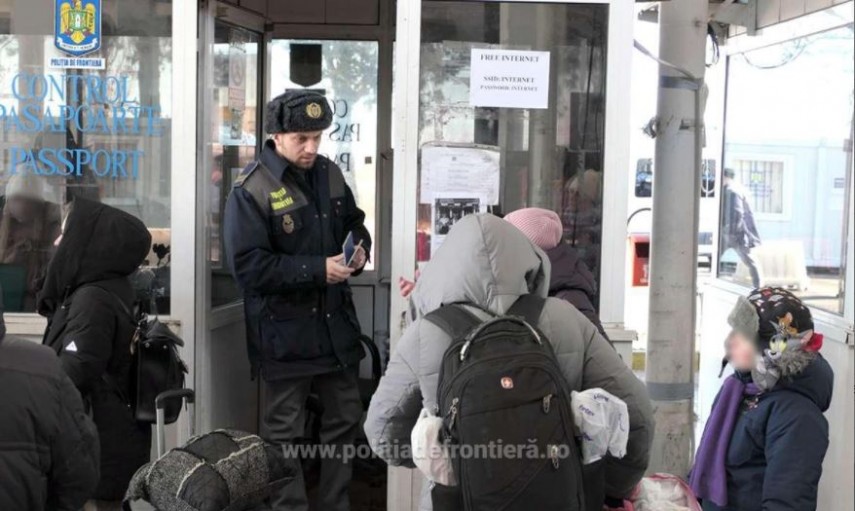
<point x="448" y="209"/>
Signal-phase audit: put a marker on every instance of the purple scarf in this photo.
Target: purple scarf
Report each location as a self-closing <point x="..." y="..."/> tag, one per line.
<point x="709" y="475"/>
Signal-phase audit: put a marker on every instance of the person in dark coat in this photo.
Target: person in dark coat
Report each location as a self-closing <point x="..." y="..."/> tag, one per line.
<point x="286" y="220"/>
<point x="91" y="331"/>
<point x="570" y="279"/>
<point x="48" y="446"/>
<point x="739" y="231"/>
<point x="766" y="437"/>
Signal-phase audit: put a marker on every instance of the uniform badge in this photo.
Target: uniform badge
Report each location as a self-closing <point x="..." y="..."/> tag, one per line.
<point x="77" y="26"/>
<point x="287" y="224"/>
<point x="314" y="111"/>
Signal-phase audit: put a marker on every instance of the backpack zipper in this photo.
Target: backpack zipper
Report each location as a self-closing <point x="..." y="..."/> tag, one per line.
<point x="452" y="413"/>
<point x="547" y="400"/>
<point x="553" y="455"/>
<point x="444" y="388"/>
<point x="457" y="346"/>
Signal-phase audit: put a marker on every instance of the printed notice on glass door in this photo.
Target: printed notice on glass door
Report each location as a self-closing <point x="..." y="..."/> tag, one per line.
<point x="509" y="79"/>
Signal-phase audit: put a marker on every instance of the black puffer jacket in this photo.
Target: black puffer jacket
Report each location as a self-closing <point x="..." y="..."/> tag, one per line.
<point x="91" y="332"/>
<point x="573" y="282"/>
<point x="48" y="447"/>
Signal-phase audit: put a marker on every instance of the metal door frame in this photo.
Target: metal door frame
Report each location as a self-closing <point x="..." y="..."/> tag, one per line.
<point x="208" y="318"/>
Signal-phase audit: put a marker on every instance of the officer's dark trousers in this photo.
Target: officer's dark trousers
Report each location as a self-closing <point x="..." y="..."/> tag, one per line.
<point x="285" y="421"/>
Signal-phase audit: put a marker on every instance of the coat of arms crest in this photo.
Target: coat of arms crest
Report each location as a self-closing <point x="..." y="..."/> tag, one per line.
<point x="78" y="26"/>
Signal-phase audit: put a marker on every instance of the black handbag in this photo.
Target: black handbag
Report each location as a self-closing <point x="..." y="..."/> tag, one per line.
<point x="156" y="367"/>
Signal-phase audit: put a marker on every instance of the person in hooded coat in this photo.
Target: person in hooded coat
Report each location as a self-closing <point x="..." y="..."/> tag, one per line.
<point x="48" y="446"/>
<point x="766" y="437"/>
<point x="489" y="263"/>
<point x="99" y="248"/>
<point x="571" y="280"/>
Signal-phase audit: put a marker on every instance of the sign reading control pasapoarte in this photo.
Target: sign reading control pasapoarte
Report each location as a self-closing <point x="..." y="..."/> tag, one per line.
<point x="91" y="105"/>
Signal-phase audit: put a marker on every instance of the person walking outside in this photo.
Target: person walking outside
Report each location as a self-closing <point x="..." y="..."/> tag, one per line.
<point x="739" y="232"/>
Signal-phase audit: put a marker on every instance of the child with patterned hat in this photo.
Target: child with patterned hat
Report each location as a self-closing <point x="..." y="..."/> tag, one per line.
<point x="766" y="437"/>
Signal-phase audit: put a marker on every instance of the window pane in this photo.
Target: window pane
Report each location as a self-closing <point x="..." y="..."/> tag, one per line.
<point x="102" y="133"/>
<point x="234" y="114"/>
<point x="346" y="72"/>
<point x="784" y="207"/>
<point x="506" y="156"/>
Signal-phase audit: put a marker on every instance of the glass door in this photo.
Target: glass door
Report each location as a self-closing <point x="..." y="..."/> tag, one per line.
<point x="233" y="137"/>
<point x="512" y="115"/>
<point x="231" y="71"/>
<point x="501" y="105"/>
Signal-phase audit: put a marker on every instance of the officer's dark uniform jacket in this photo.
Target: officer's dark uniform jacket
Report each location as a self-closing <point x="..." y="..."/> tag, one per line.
<point x="281" y="224"/>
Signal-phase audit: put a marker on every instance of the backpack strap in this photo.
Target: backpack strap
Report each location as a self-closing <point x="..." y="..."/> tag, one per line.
<point x="105" y="376"/>
<point x="455" y="320"/>
<point x="529" y="307"/>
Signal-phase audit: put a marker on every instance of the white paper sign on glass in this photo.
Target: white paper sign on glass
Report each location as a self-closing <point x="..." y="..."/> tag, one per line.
<point x="509" y="79"/>
<point x="453" y="168"/>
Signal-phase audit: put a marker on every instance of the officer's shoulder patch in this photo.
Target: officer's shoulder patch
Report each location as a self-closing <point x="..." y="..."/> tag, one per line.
<point x="244" y="175"/>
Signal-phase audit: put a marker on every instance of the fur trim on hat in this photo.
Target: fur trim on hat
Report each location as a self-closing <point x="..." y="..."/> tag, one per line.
<point x="297" y="112"/>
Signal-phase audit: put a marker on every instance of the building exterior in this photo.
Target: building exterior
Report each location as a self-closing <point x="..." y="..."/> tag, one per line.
<point x="159" y="114"/>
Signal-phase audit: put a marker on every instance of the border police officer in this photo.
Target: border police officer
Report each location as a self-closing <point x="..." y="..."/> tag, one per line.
<point x="285" y="222"/>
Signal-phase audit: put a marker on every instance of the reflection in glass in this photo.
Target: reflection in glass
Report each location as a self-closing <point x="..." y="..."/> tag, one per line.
<point x="234" y="115"/>
<point x="550" y="158"/>
<point x="104" y="134"/>
<point x="788" y="169"/>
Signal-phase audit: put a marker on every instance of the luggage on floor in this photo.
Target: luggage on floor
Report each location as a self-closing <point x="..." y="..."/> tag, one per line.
<point x="223" y="470"/>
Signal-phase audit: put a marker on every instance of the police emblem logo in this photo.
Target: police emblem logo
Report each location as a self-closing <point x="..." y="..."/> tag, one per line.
<point x="77" y="26"/>
<point x="287" y="224"/>
<point x="314" y="111"/>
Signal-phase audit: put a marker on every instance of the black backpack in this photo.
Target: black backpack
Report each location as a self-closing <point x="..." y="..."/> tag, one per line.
<point x="507" y="417"/>
<point x="156" y="367"/>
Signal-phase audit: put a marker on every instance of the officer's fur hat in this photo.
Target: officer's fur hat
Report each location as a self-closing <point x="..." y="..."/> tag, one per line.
<point x="298" y="111"/>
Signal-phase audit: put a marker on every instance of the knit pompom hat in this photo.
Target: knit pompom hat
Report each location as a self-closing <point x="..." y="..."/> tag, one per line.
<point x="783" y="332"/>
<point x="541" y="226"/>
<point x="772" y="316"/>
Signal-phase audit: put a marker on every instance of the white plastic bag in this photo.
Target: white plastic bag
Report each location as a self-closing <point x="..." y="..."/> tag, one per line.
<point x="603" y="421"/>
<point x="664" y="492"/>
<point x="429" y="453"/>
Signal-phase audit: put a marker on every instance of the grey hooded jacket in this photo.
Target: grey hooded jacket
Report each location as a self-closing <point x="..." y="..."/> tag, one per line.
<point x="487" y="262"/>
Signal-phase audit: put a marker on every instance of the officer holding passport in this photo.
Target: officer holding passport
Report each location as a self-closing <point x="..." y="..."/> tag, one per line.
<point x="286" y="222"/>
